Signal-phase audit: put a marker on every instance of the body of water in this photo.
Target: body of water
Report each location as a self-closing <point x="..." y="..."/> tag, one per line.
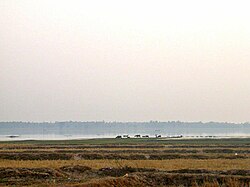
<point x="78" y="130"/>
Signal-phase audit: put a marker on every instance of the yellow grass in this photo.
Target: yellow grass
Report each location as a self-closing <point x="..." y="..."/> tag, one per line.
<point x="210" y="164"/>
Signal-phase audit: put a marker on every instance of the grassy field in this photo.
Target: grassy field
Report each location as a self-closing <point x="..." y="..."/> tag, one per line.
<point x="126" y="162"/>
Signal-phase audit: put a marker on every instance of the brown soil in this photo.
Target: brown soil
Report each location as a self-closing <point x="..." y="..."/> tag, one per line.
<point x="94" y="156"/>
<point x="142" y="151"/>
<point x="124" y="176"/>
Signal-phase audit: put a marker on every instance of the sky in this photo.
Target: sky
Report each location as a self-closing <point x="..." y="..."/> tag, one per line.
<point x="133" y="60"/>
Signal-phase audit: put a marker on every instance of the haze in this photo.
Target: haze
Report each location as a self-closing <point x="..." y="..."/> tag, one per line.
<point x="124" y="60"/>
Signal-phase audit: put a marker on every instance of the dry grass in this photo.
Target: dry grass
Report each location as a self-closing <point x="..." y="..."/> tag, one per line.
<point x="174" y="164"/>
<point x="227" y="161"/>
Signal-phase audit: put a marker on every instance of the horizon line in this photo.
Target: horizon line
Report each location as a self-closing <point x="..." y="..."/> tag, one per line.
<point x="104" y="121"/>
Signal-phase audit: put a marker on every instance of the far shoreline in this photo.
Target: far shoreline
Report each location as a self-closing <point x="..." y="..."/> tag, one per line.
<point x="115" y="141"/>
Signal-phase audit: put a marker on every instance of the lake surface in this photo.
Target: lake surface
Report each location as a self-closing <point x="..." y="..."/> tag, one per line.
<point x="77" y="130"/>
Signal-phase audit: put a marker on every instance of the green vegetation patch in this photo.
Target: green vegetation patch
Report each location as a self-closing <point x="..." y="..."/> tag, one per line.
<point x="110" y="141"/>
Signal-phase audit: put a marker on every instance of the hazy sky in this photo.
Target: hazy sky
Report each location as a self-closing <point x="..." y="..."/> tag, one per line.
<point x="125" y="60"/>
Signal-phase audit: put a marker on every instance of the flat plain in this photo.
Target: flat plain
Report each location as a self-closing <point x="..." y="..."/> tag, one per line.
<point x="126" y="162"/>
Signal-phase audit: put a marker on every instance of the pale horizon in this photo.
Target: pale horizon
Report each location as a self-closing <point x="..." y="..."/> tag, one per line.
<point x="96" y="60"/>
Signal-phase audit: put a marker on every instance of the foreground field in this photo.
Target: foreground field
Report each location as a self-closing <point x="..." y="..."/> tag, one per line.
<point x="123" y="162"/>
